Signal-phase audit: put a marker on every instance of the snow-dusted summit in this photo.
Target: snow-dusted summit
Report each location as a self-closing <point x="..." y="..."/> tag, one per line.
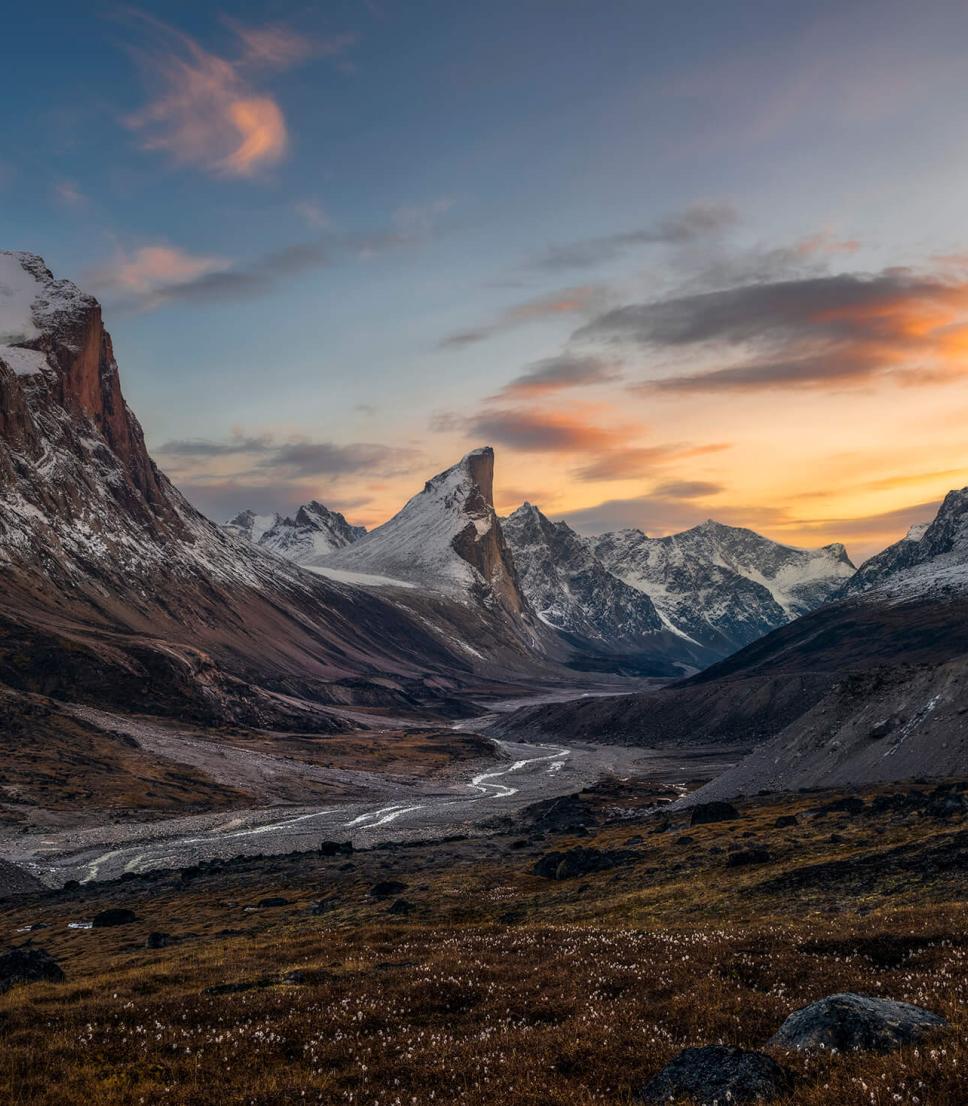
<point x="307" y="538"/>
<point x="724" y="586"/>
<point x="931" y="557"/>
<point x="568" y="585"/>
<point x="447" y="539"/>
<point x="250" y="525"/>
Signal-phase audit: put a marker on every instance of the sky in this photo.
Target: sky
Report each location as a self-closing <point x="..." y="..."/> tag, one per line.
<point x="673" y="261"/>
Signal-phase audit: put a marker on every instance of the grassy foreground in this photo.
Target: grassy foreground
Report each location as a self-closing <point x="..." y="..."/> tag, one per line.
<point x="480" y="983"/>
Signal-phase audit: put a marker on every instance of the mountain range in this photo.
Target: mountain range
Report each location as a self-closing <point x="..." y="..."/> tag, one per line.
<point x="621" y="601"/>
<point x="116" y="592"/>
<point x="871" y="686"/>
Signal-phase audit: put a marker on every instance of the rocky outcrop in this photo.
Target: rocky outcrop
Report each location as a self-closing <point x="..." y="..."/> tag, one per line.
<point x="718" y="1073"/>
<point x="849" y="1023"/>
<point x="931" y="557"/>
<point x="447" y="540"/>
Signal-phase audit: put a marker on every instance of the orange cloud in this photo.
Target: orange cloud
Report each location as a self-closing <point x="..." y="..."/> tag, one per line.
<point x="205" y="111"/>
<point x="151" y="268"/>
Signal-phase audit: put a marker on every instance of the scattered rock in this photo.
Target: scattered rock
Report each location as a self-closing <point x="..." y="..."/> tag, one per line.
<point x="28" y="965"/>
<point x="848" y="1022"/>
<point x="563" y="814"/>
<point x="158" y="940"/>
<point x="853" y="804"/>
<point x="323" y="906"/>
<point x="335" y="848"/>
<point x="718" y="811"/>
<point x="580" y="861"/>
<point x="756" y="854"/>
<point x="113" y="916"/>
<point x="718" y="1073"/>
<point x="387" y="887"/>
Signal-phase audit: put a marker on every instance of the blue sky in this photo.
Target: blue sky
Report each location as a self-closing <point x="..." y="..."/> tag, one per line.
<point x="330" y="239"/>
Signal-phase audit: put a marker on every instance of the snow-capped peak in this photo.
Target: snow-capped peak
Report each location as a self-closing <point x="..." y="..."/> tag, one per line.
<point x="251" y="526"/>
<point x="446" y="538"/>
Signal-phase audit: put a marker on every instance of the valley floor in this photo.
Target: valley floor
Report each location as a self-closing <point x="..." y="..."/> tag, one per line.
<point x="450" y="972"/>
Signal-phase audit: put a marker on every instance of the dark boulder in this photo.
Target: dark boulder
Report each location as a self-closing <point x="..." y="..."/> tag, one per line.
<point x="401" y="906"/>
<point x="113" y="916"/>
<point x="849" y="1022"/>
<point x="718" y="1073"/>
<point x="158" y="940"/>
<point x="563" y="814"/>
<point x="785" y="821"/>
<point x="28" y="965"/>
<point x="323" y="906"/>
<point x="755" y="854"/>
<point x="387" y="887"/>
<point x="272" y="901"/>
<point x="580" y="861"/>
<point x="718" y="811"/>
<point x="335" y="848"/>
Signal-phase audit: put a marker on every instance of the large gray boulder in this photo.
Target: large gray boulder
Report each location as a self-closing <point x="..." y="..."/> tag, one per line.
<point x="849" y="1022"/>
<point x="718" y="1073"/>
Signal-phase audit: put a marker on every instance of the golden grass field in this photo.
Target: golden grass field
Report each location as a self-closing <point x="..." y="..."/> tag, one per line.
<point x="500" y="987"/>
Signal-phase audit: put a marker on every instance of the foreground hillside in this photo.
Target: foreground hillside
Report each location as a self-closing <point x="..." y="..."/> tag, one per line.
<point x="453" y="973"/>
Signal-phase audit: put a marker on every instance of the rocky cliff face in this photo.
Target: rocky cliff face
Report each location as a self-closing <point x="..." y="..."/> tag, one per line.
<point x="113" y="588"/>
<point x="932" y="556"/>
<point x="570" y="588"/>
<point x="446" y="539"/>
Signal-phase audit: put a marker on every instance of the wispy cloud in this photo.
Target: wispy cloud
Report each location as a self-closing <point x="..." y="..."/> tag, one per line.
<point x="297" y="458"/>
<point x="533" y="431"/>
<point x="68" y="194"/>
<point x="555" y="374"/>
<point x="578" y="300"/>
<point x="635" y="462"/>
<point x="207" y="110"/>
<point x="145" y="272"/>
<point x="150" y="276"/>
<point x="701" y="220"/>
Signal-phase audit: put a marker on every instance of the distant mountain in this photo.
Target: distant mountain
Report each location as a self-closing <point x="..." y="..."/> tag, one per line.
<point x="251" y="526"/>
<point x="612" y="625"/>
<point x="724" y="586"/>
<point x="447" y="539"/>
<point x="931" y="556"/>
<point x="870" y="687"/>
<point x="310" y="536"/>
<point x="569" y="586"/>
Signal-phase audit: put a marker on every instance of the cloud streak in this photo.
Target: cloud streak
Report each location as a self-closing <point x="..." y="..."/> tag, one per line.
<point x="578" y="300"/>
<point x="297" y="458"/>
<point x="846" y="329"/>
<point x="555" y="374"/>
<point x="701" y="220"/>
